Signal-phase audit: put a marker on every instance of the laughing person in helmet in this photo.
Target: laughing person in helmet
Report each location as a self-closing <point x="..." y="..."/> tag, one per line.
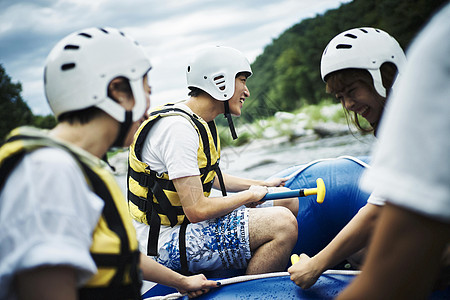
<point x="410" y="167"/>
<point x="65" y="230"/>
<point x="174" y="163"/>
<point x="360" y="67"/>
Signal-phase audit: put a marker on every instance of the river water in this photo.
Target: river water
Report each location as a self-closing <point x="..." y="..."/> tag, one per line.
<point x="260" y="159"/>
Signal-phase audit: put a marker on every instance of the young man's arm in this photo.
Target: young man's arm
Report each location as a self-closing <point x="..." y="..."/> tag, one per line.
<point x="237" y="184"/>
<point x="52" y="283"/>
<point x="198" y="208"/>
<point x="403" y="258"/>
<point x="194" y="285"/>
<point x="352" y="238"/>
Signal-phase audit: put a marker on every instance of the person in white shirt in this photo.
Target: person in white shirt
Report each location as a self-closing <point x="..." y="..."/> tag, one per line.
<point x="174" y="163"/>
<point x="360" y="67"/>
<point x="411" y="170"/>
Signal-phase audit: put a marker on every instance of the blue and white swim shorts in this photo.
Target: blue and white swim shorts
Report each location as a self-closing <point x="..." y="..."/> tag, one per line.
<point x="221" y="243"/>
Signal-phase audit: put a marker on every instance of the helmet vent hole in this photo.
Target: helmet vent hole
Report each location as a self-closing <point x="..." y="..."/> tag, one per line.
<point x="343" y="46"/>
<point x="219" y="81"/>
<point x="85" y="35"/>
<point x="363" y="30"/>
<point x="68" y="66"/>
<point x="104" y="30"/>
<point x="189" y="68"/>
<point x="205" y="77"/>
<point x="352" y="36"/>
<point x="71" y="47"/>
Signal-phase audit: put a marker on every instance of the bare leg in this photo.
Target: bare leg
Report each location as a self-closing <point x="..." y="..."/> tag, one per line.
<point x="290" y="203"/>
<point x="273" y="233"/>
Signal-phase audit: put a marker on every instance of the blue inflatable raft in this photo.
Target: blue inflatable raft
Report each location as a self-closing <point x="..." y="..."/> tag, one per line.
<point x="318" y="224"/>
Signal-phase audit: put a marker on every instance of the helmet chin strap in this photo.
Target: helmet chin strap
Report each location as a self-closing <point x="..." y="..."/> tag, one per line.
<point x="124" y="128"/>
<point x="229" y="119"/>
<point x="120" y="140"/>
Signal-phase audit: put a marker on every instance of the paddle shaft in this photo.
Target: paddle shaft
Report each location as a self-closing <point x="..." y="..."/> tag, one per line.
<point x="290" y="194"/>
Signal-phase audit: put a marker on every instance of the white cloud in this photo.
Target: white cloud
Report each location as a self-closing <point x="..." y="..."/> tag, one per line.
<point x="170" y="31"/>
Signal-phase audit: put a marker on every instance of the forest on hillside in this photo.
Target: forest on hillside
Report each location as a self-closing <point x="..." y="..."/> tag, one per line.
<point x="14" y="111"/>
<point x="287" y="74"/>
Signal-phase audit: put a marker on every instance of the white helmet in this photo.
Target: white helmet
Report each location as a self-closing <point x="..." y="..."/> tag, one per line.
<point x="81" y="66"/>
<point x="362" y="48"/>
<point x="214" y="70"/>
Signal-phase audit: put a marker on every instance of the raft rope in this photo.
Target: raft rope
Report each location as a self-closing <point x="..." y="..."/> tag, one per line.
<point x="244" y="278"/>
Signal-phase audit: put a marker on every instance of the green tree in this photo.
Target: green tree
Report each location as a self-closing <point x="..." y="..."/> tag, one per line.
<point x="13" y="110"/>
<point x="46" y="122"/>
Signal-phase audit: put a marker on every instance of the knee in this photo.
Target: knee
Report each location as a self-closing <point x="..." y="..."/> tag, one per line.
<point x="285" y="223"/>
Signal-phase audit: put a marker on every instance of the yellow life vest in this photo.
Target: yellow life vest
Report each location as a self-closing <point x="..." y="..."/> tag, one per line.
<point x="114" y="245"/>
<point x="152" y="197"/>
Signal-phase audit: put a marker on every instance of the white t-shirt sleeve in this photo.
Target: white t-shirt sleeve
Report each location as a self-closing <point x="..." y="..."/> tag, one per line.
<point x="376" y="199"/>
<point x="171" y="146"/>
<point x="411" y="162"/>
<point x="47" y="216"/>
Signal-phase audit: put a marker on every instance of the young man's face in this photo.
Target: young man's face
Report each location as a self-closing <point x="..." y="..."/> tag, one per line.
<point x="241" y="92"/>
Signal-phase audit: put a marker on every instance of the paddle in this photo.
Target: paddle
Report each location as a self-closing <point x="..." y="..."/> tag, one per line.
<point x="319" y="191"/>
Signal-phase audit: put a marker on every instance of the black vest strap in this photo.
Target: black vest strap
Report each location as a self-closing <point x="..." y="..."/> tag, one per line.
<point x="112" y="218"/>
<point x="221" y="182"/>
<point x="8" y="165"/>
<point x="153" y="232"/>
<point x="164" y="203"/>
<point x="182" y="244"/>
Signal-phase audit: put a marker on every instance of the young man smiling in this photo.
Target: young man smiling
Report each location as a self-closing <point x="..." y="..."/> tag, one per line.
<point x="174" y="163"/>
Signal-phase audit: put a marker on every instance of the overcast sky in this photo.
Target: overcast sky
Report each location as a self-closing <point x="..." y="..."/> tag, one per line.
<point x="170" y="31"/>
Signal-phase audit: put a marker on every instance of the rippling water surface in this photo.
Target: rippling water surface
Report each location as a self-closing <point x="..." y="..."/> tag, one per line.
<point x="260" y="159"/>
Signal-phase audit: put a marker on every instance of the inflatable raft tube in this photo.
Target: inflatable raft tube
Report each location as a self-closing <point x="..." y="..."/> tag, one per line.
<point x="318" y="224"/>
<point x="326" y="287"/>
<point x="280" y="287"/>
